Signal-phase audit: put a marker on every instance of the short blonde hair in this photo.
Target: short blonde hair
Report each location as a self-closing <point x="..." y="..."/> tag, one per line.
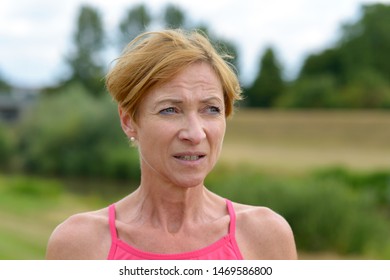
<point x="154" y="58"/>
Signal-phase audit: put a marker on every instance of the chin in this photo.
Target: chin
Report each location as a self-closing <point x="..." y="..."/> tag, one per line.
<point x="190" y="182"/>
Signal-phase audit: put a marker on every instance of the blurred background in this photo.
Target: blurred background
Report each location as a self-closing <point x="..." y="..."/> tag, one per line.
<point x="311" y="139"/>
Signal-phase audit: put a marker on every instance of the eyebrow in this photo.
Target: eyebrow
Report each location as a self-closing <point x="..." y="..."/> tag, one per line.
<point x="167" y="101"/>
<point x="211" y="98"/>
<point x="180" y="101"/>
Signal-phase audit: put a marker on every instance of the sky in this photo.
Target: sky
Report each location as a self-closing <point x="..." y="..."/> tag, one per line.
<point x="36" y="35"/>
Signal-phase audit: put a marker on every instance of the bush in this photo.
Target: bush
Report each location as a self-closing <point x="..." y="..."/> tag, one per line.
<point x="33" y="188"/>
<point x="313" y="92"/>
<point x="6" y="147"/>
<point x="367" y="89"/>
<point x="325" y="213"/>
<point x="22" y="195"/>
<point x="73" y="134"/>
<point x="375" y="185"/>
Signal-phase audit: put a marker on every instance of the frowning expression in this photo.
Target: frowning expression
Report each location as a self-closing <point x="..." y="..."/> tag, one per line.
<point x="180" y="127"/>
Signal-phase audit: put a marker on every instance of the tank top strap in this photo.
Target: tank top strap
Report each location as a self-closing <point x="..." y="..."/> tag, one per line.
<point x="111" y="221"/>
<point x="232" y="214"/>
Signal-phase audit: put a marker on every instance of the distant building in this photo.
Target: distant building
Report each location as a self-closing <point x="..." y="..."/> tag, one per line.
<point x="12" y="103"/>
<point x="9" y="108"/>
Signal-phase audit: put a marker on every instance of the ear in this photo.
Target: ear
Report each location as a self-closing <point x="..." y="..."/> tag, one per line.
<point x="127" y="123"/>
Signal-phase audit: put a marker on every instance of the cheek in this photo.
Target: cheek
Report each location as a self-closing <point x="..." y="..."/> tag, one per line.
<point x="218" y="133"/>
<point x="156" y="134"/>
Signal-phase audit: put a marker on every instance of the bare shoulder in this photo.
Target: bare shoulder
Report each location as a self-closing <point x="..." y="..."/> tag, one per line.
<point x="81" y="236"/>
<point x="263" y="233"/>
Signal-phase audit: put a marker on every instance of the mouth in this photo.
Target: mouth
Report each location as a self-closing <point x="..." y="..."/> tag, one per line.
<point x="190" y="157"/>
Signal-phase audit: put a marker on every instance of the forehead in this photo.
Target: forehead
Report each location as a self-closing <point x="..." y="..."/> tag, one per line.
<point x="198" y="79"/>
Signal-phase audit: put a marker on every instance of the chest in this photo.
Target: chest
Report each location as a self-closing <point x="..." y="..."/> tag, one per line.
<point x="155" y="240"/>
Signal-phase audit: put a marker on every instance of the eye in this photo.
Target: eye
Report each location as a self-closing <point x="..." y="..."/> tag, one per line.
<point x="168" y="111"/>
<point x="213" y="110"/>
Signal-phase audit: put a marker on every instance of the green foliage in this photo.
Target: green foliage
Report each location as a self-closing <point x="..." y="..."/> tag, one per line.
<point x="354" y="72"/>
<point x="331" y="210"/>
<point x="86" y="61"/>
<point x="22" y="186"/>
<point x="6" y="146"/>
<point x="375" y="185"/>
<point x="174" y="17"/>
<point x="366" y="43"/>
<point x="30" y="209"/>
<point x="312" y="92"/>
<point x="5" y="87"/>
<point x="326" y="63"/>
<point x="367" y="89"/>
<point x="268" y="85"/>
<point x="73" y="134"/>
<point x="21" y="194"/>
<point x="136" y="20"/>
<point x="358" y="64"/>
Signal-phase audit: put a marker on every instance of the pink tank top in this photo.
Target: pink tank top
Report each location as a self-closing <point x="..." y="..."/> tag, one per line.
<point x="225" y="248"/>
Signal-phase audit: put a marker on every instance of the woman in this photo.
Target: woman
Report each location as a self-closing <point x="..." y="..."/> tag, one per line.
<point x="174" y="93"/>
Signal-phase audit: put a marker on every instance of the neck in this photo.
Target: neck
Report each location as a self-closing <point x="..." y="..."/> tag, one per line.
<point x="171" y="208"/>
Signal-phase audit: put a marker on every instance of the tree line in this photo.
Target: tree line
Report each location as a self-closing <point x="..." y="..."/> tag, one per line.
<point x="353" y="73"/>
<point x="90" y="41"/>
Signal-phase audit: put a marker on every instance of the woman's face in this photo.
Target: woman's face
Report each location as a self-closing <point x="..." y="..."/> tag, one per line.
<point x="180" y="127"/>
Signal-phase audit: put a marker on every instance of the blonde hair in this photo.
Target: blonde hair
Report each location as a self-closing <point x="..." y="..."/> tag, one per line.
<point x="154" y="58"/>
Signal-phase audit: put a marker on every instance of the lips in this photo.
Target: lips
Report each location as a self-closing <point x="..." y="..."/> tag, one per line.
<point x="189" y="157"/>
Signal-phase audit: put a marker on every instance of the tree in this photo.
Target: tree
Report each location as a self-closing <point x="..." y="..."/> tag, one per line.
<point x="5" y="87"/>
<point x="329" y="62"/>
<point x="367" y="89"/>
<point x="365" y="44"/>
<point x="174" y="17"/>
<point x="316" y="91"/>
<point x="136" y="21"/>
<point x="358" y="63"/>
<point x="268" y="85"/>
<point x="86" y="62"/>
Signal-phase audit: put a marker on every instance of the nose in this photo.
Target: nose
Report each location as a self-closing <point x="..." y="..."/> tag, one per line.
<point x="193" y="129"/>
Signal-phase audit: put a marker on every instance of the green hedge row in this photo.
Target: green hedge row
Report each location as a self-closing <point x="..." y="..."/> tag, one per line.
<point x="69" y="134"/>
<point x="329" y="210"/>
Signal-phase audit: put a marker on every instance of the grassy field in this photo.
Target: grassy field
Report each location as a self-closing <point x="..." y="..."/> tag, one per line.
<point x="296" y="141"/>
<point x="30" y="208"/>
<point x="275" y="142"/>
